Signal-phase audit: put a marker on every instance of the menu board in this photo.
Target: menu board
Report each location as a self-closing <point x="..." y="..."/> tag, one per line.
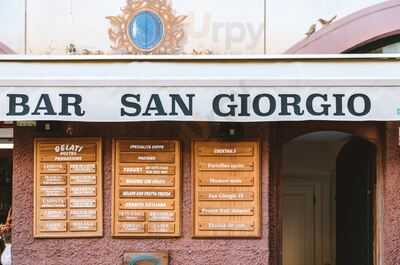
<point x="226" y="179"/>
<point x="146" y="188"/>
<point x="68" y="188"/>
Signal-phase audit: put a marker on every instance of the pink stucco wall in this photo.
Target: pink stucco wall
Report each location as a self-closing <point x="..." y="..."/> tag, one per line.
<point x="184" y="250"/>
<point x="391" y="195"/>
<point x="106" y="250"/>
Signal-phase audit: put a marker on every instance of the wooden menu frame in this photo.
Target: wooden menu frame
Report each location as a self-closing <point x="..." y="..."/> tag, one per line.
<point x="142" y="219"/>
<point x="244" y="189"/>
<point x="68" y="188"/>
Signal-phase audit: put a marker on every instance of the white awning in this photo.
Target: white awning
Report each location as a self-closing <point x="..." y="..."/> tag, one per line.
<point x="245" y="89"/>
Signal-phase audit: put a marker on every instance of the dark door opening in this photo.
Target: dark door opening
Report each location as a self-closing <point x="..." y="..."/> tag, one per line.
<point x="328" y="200"/>
<point x="355" y="183"/>
<point x="5" y="190"/>
<point x="5" y="183"/>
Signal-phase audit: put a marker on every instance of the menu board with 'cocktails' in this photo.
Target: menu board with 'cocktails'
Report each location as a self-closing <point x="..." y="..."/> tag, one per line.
<point x="226" y="178"/>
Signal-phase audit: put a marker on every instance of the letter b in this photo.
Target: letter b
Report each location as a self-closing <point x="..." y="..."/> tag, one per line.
<point x="17" y="100"/>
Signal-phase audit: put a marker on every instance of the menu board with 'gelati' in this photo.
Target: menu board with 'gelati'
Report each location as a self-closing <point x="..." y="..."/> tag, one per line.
<point x="146" y="188"/>
<point x="68" y="188"/>
<point x="226" y="179"/>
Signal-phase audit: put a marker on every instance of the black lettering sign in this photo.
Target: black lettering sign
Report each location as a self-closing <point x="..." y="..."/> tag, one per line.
<point x="71" y="100"/>
<point x="366" y="103"/>
<point x="310" y="105"/>
<point x="155" y="105"/>
<point x="339" y="104"/>
<point x="271" y="104"/>
<point x="44" y="103"/>
<point x="177" y="99"/>
<point x="244" y="105"/>
<point x="20" y="101"/>
<point x="217" y="105"/>
<point x="126" y="102"/>
<point x="294" y="103"/>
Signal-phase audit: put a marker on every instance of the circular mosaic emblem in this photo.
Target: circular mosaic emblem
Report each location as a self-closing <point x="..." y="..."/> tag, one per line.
<point x="147" y="27"/>
<point x="146" y="30"/>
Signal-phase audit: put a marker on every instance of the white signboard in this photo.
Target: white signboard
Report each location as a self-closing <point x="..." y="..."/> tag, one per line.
<point x="220" y="103"/>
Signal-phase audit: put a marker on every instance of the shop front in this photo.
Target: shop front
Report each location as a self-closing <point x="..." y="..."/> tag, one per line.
<point x="208" y="161"/>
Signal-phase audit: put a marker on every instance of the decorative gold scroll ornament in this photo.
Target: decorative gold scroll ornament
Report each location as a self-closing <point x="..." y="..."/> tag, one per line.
<point x="173" y="32"/>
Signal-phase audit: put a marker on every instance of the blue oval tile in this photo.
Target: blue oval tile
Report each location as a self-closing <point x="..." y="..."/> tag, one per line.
<point x="146" y="30"/>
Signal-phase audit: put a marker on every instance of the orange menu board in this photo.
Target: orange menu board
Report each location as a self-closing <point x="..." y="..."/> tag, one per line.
<point x="68" y="188"/>
<point x="226" y="192"/>
<point x="146" y="188"/>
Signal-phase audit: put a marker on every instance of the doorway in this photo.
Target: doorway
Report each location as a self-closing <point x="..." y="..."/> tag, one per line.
<point x="328" y="190"/>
